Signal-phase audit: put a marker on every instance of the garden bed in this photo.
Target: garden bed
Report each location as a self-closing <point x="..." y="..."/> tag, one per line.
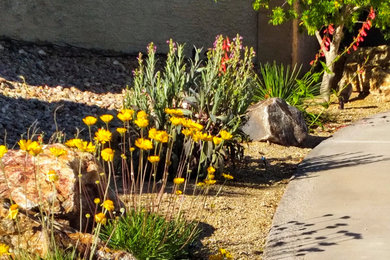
<point x="74" y="84"/>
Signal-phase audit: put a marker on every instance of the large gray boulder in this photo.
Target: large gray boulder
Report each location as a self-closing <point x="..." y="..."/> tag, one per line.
<point x="275" y="121"/>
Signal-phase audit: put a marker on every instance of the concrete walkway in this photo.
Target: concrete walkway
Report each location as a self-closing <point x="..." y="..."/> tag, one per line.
<point x="338" y="205"/>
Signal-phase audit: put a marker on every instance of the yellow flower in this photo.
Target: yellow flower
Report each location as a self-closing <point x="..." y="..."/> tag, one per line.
<point x="108" y="205"/>
<point x="108" y="154"/>
<point x="210" y="170"/>
<point x="57" y="152"/>
<point x="52" y="176"/>
<point x="13" y="211"/>
<point x="73" y="142"/>
<point x="179" y="192"/>
<point x="101" y="218"/>
<point x="217" y="140"/>
<point x="207" y="137"/>
<point x="144" y="144"/>
<point x="4" y="249"/>
<point x="226" y="254"/>
<point x="227" y="176"/>
<point x="106" y="118"/>
<point x="186" y="132"/>
<point x="103" y="136"/>
<point x="34" y="148"/>
<point x="96" y="200"/>
<point x="85" y="146"/>
<point x="196" y="135"/>
<point x="225" y="135"/>
<point x="3" y="150"/>
<point x="89" y="120"/>
<point x="24" y="144"/>
<point x="121" y="130"/>
<point x="209" y="182"/>
<point x="159" y="136"/>
<point x="178" y="181"/>
<point x="87" y="215"/>
<point x="152" y="133"/>
<point x="210" y="176"/>
<point x="192" y="124"/>
<point x="125" y="115"/>
<point x="131" y="149"/>
<point x="154" y="158"/>
<point x="123" y="156"/>
<point x="142" y="114"/>
<point x="200" y="184"/>
<point x="176" y="120"/>
<point x="141" y="122"/>
<point x="173" y="112"/>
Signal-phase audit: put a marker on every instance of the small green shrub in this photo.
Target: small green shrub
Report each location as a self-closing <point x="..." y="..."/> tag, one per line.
<point x="283" y="82"/>
<point x="150" y="236"/>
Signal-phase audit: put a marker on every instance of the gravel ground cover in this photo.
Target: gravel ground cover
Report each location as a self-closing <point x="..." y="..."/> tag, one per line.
<point x="64" y="84"/>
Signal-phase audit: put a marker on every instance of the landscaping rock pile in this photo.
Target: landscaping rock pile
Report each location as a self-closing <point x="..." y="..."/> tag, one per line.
<point x="367" y="71"/>
<point x="63" y="85"/>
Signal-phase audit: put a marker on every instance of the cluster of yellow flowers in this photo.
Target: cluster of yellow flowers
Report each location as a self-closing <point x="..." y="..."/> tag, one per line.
<point x="222" y="254"/>
<point x="83" y="146"/>
<point x="194" y="129"/>
<point x="108" y="205"/>
<point x="32" y="147"/>
<point x="209" y="180"/>
<point x="142" y="119"/>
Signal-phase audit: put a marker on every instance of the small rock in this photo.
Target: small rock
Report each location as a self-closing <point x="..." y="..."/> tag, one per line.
<point x="42" y="52"/>
<point x="22" y="52"/>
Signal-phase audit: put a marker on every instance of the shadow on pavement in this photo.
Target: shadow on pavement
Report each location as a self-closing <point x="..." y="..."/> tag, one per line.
<point x="335" y="161"/>
<point x="297" y="239"/>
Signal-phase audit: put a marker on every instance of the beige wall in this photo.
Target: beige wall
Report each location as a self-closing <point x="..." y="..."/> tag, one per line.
<point x="129" y="25"/>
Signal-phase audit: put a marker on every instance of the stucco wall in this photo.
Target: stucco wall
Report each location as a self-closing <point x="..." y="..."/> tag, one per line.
<point x="127" y="25"/>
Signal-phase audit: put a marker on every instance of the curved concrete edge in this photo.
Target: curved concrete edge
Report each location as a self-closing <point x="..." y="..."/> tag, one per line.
<point x="331" y="207"/>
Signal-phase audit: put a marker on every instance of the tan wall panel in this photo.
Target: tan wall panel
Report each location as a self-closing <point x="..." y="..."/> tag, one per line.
<point x="127" y="25"/>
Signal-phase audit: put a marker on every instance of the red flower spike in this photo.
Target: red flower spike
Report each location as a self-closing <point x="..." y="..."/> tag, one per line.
<point x="372" y="13"/>
<point x="354" y="47"/>
<point x="330" y="29"/>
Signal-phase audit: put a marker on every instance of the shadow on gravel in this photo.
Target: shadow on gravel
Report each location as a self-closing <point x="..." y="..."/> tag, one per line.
<point x="316" y="235"/>
<point x="18" y="115"/>
<point x="335" y="161"/>
<point x="97" y="71"/>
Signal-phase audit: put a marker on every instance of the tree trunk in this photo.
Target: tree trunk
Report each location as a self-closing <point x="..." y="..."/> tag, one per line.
<point x="330" y="59"/>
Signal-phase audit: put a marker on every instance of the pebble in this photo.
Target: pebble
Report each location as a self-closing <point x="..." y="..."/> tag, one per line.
<point x="41" y="52"/>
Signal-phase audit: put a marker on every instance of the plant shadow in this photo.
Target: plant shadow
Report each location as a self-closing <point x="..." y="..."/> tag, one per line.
<point x="19" y="116"/>
<point x="97" y="71"/>
<point x="312" y="236"/>
<point x="263" y="174"/>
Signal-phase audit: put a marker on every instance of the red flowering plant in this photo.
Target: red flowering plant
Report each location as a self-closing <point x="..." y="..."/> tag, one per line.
<point x="328" y="20"/>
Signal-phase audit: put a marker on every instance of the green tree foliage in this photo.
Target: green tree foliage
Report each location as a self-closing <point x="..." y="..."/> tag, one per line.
<point x="339" y="15"/>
